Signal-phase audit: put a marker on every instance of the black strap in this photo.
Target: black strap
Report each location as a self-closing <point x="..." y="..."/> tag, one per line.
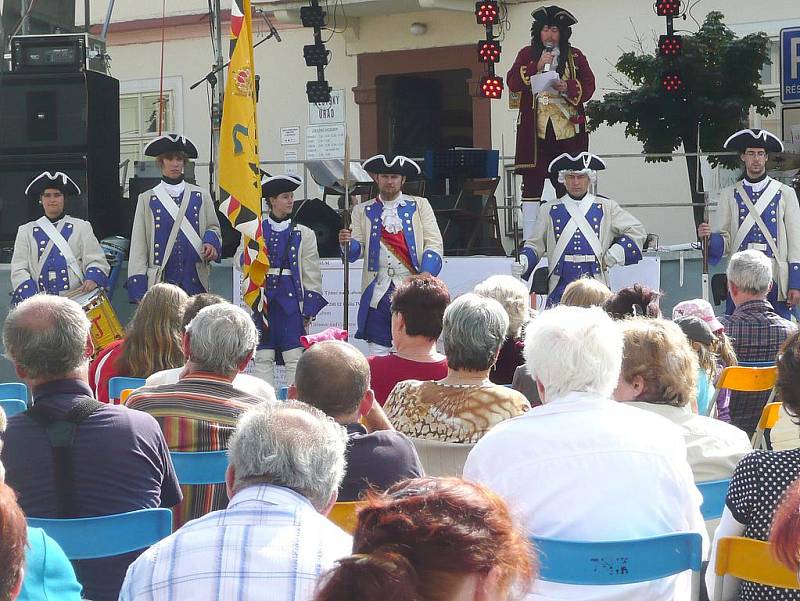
<point x="60" y="433"/>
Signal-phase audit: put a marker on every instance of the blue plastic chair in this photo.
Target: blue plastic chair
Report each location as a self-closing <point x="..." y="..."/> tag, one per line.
<point x="714" y="493"/>
<point x="282" y="393"/>
<point x="119" y="383"/>
<point x="14" y="390"/>
<point x="620" y="562"/>
<point x="12" y="406"/>
<point x="756" y="363"/>
<point x="108" y="535"/>
<point x="201" y="467"/>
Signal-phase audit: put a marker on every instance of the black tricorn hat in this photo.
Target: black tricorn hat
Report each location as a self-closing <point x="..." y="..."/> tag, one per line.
<point x="754" y="138"/>
<point x="58" y="180"/>
<point x="392" y="165"/>
<point x="583" y="162"/>
<point x="554" y="16"/>
<point x="272" y="185"/>
<point x="170" y="143"/>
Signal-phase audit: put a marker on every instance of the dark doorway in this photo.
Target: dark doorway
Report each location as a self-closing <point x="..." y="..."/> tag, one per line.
<point x="424" y="111"/>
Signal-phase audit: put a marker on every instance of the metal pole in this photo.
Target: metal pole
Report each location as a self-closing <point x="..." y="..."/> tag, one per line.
<point x="23" y="8"/>
<point x="217" y="101"/>
<point x="107" y="21"/>
<point x="346" y="223"/>
<point x="87" y="15"/>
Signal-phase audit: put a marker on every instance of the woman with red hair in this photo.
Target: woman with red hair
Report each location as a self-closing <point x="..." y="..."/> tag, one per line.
<point x="433" y="539"/>
<point x="785" y="534"/>
<point x="13" y="539"/>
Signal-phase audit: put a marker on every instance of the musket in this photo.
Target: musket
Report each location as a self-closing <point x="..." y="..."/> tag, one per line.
<point x="346" y="225"/>
<point x="704" y="242"/>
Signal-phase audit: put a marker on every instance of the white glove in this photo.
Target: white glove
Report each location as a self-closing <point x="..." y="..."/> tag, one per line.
<point x="518" y="268"/>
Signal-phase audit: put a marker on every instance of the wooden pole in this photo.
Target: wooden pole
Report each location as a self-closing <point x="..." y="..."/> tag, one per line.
<point x="346" y="225"/>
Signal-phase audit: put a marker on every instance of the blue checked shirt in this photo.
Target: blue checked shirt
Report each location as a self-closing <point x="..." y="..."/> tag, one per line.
<point x="757" y="334"/>
<point x="270" y="544"/>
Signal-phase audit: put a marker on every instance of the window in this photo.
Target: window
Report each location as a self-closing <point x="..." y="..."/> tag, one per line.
<point x="138" y="122"/>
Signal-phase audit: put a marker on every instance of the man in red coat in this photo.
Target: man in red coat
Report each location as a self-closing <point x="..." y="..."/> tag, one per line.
<point x="552" y="120"/>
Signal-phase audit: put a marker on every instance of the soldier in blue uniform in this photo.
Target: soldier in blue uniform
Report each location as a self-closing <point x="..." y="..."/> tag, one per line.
<point x="759" y="213"/>
<point x="293" y="287"/>
<point x="581" y="234"/>
<point x="57" y="253"/>
<point x="176" y="231"/>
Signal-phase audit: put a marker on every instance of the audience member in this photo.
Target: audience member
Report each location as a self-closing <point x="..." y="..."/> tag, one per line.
<point x="242" y="381"/>
<point x="437" y="539"/>
<point x="586" y="292"/>
<point x="152" y="341"/>
<point x="701" y="339"/>
<point x="513" y="295"/>
<point x="756" y="330"/>
<point x="70" y="456"/>
<point x="13" y="540"/>
<point x="333" y="376"/>
<point x="659" y="371"/>
<point x="523" y="382"/>
<point x="785" y="532"/>
<point x="463" y="406"/>
<point x="634" y="301"/>
<point x="784" y="435"/>
<point x="273" y="541"/>
<point x="418" y="306"/>
<point x="199" y="412"/>
<point x="48" y="572"/>
<point x="758" y="483"/>
<point x="722" y="347"/>
<point x="582" y="466"/>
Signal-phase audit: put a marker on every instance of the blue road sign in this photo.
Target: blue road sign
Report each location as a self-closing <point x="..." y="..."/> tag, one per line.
<point x="790" y="65"/>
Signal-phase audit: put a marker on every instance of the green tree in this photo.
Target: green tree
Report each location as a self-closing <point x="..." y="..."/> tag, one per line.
<point x="721" y="74"/>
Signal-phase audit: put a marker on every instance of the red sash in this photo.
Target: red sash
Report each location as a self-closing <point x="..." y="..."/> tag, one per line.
<point x="396" y="243"/>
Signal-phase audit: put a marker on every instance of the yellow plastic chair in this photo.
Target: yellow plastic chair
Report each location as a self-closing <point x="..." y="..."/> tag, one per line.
<point x="343" y="515"/>
<point x="749" y="559"/>
<point x="744" y="379"/>
<point x="769" y="417"/>
<point x="123" y="396"/>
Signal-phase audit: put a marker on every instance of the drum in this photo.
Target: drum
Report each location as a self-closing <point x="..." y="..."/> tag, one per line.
<point x="106" y="327"/>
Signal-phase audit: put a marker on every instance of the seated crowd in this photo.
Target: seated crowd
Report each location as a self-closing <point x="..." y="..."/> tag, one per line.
<point x="593" y="420"/>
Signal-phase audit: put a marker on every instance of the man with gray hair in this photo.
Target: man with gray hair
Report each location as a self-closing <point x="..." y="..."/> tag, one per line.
<point x="70" y="456"/>
<point x="757" y="332"/>
<point x="582" y="466"/>
<point x="199" y="412"/>
<point x="273" y="541"/>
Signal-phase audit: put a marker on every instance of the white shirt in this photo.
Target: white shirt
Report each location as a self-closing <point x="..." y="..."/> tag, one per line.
<point x="270" y="543"/>
<point x="244" y="382"/>
<point x="582" y="467"/>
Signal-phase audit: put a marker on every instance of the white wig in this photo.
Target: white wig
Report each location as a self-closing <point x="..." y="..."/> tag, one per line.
<point x="574" y="349"/>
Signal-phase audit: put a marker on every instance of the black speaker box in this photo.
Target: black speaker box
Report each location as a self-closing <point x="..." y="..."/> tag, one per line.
<point x="60" y="122"/>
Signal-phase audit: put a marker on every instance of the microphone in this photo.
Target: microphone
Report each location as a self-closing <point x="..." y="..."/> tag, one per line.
<point x="273" y="33"/>
<point x="548" y="47"/>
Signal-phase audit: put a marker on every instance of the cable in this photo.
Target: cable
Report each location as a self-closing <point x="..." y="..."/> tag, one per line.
<point x="20" y="22"/>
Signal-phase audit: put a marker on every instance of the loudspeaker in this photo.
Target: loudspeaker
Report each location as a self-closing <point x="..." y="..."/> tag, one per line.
<point x="60" y="122"/>
<point x="325" y="222"/>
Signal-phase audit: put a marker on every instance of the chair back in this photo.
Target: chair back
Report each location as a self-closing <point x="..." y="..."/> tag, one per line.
<point x="108" y="535"/>
<point x="442" y="458"/>
<point x="620" y="562"/>
<point x="769" y="417"/>
<point x="714" y="493"/>
<point x="343" y="515"/>
<point x="14" y="390"/>
<point x="119" y="383"/>
<point x="12" y="406"/>
<point x="750" y="559"/>
<point x="744" y="379"/>
<point x="200" y="467"/>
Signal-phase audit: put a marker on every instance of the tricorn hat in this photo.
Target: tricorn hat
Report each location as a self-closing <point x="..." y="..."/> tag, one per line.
<point x="392" y="165"/>
<point x="272" y="185"/>
<point x="555" y="16"/>
<point x="584" y="162"/>
<point x="754" y="138"/>
<point x="59" y="180"/>
<point x="170" y="143"/>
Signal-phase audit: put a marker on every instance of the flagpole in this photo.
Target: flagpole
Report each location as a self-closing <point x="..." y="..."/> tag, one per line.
<point x="216" y="106"/>
<point x="346" y="225"/>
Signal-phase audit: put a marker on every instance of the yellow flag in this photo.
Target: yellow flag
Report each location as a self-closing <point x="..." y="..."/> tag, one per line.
<point x="239" y="173"/>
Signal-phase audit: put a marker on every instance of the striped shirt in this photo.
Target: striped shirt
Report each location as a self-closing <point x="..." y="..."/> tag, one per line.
<point x="198" y="413"/>
<point x="269" y="544"/>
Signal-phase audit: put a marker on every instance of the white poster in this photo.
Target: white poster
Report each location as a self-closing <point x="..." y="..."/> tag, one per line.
<point x="327" y="112"/>
<point x="325" y="142"/>
<point x="290" y="163"/>
<point x="290" y="135"/>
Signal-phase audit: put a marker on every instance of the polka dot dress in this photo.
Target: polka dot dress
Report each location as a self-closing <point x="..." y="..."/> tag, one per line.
<point x="757" y="484"/>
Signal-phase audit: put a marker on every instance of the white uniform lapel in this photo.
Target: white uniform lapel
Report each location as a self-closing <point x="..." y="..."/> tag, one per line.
<point x="178" y="218"/>
<point x="57" y="239"/>
<point x="754" y="215"/>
